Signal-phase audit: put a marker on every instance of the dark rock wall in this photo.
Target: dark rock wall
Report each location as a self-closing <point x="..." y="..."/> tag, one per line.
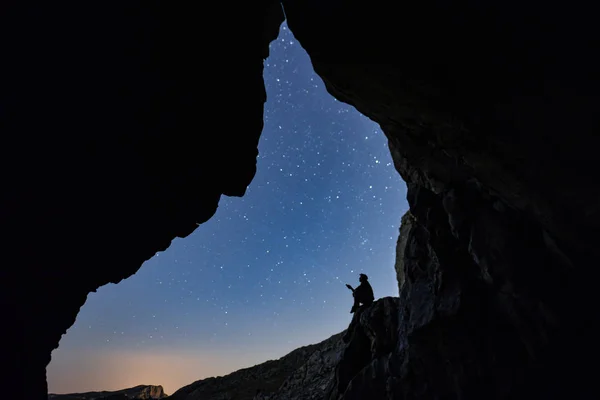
<point x="313" y="378"/>
<point x="370" y="339"/>
<point x="478" y="314"/>
<point x="122" y="123"/>
<point x="297" y="375"/>
<point x="500" y="92"/>
<point x="468" y="332"/>
<point x="489" y="112"/>
<point x="118" y="135"/>
<point x="406" y="224"/>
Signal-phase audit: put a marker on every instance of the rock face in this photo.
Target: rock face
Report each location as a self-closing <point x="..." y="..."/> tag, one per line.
<point x="491" y="114"/>
<point x="311" y="381"/>
<point x="460" y="332"/>
<point x="405" y="227"/>
<point x="323" y="371"/>
<point x="497" y="144"/>
<point x="146" y="392"/>
<point x="306" y="370"/>
<point x="371" y="338"/>
<point x="117" y="137"/>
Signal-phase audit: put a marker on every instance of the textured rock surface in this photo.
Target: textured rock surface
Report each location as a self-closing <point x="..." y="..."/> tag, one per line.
<point x="371" y="338"/>
<point x="117" y="137"/>
<point x="145" y="392"/>
<point x="476" y="317"/>
<point x="309" y="366"/>
<point x="497" y="143"/>
<point x="454" y="109"/>
<point x="316" y="372"/>
<point x="491" y="114"/>
<point x="405" y="226"/>
<point x="311" y="380"/>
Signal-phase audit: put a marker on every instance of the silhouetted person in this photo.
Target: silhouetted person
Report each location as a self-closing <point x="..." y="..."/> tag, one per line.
<point x="362" y="294"/>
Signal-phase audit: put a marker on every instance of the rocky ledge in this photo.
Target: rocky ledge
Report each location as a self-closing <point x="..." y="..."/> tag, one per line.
<point x="327" y="370"/>
<point x="306" y="370"/>
<point x="490" y="109"/>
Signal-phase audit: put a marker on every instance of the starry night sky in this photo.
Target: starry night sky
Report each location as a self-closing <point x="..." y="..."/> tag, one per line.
<point x="266" y="274"/>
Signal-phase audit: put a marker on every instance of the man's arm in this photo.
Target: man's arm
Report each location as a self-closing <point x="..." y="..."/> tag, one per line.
<point x="350" y="287"/>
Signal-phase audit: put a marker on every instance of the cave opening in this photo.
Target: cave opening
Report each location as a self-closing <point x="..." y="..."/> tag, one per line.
<point x="491" y="115"/>
<point x="266" y="273"/>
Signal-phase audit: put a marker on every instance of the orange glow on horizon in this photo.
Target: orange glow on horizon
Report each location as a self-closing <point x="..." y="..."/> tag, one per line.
<point x="88" y="371"/>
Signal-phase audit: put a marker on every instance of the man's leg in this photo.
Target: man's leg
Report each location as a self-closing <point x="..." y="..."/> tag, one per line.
<point x="355" y="306"/>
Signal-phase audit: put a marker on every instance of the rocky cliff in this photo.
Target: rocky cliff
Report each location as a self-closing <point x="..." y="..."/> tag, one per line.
<point x="489" y="114"/>
<point x="326" y="370"/>
<point x="306" y="370"/>
<point x="406" y="223"/>
<point x="490" y="109"/>
<point x="312" y="379"/>
<point x="117" y="137"/>
<point x="145" y="392"/>
<point x="344" y="360"/>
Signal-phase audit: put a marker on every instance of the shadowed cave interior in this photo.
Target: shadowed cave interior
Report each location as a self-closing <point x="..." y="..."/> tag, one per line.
<point x="489" y="110"/>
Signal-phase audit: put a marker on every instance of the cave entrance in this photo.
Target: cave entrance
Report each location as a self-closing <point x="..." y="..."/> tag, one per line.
<point x="266" y="274"/>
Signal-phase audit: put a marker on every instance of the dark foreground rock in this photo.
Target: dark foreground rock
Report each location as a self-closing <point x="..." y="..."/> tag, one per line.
<point x="370" y="339"/>
<point x="326" y="370"/>
<point x="305" y="371"/>
<point x="119" y="134"/>
<point x="490" y="114"/>
<point x="311" y="381"/>
<point x="142" y="392"/>
<point x="117" y="137"/>
<point x="475" y="318"/>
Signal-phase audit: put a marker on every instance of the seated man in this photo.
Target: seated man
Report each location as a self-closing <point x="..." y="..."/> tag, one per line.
<point x="362" y="294"/>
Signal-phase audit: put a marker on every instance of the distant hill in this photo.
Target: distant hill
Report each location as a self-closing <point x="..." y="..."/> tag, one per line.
<point x="145" y="392"/>
<point x="317" y="360"/>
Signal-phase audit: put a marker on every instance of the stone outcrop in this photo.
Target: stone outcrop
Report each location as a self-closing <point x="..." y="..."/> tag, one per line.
<point x="371" y="338"/>
<point x="305" y="371"/>
<point x="454" y="109"/>
<point x="122" y="125"/>
<point x="323" y="371"/>
<point x="406" y="224"/>
<point x="311" y="381"/>
<point x="142" y="392"/>
<point x="489" y="114"/>
<point x="118" y="136"/>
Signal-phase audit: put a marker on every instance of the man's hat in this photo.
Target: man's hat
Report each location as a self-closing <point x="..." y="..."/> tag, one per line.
<point x="364" y="276"/>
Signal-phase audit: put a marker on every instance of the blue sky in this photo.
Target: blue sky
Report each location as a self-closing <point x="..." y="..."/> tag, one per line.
<point x="266" y="274"/>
